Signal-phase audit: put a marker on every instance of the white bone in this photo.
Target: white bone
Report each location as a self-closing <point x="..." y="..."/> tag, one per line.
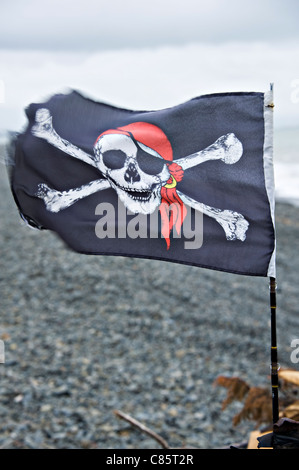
<point x="44" y="129"/>
<point x="233" y="223"/>
<point x="227" y="148"/>
<point x="57" y="200"/>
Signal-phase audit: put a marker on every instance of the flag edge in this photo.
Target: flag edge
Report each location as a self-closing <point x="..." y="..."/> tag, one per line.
<point x="269" y="168"/>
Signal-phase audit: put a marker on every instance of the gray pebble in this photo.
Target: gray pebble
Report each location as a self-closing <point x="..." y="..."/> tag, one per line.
<point x="86" y="335"/>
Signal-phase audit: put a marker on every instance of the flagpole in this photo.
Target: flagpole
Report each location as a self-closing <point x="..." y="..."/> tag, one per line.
<point x="274" y="363"/>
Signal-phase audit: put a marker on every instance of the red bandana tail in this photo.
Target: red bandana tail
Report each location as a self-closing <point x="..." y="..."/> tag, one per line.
<point x="172" y="208"/>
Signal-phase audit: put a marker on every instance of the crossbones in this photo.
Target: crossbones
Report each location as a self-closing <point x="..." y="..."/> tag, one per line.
<point x="138" y="181"/>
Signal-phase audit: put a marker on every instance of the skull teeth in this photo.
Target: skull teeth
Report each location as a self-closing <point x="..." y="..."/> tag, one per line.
<point x="141" y="195"/>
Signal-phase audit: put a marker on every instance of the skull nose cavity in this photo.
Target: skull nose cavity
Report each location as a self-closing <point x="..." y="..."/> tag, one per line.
<point x="131" y="174"/>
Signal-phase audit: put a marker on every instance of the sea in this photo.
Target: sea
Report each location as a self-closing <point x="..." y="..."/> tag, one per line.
<point x="286" y="163"/>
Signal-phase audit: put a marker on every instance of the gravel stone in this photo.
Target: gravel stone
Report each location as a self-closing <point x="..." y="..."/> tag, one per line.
<point x="87" y="335"/>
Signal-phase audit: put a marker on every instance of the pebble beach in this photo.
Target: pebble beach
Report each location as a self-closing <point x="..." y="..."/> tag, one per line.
<point x="87" y="335"/>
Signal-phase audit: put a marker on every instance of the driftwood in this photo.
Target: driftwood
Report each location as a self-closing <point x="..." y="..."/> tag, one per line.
<point x="164" y="444"/>
<point x="142" y="428"/>
<point x="257" y="407"/>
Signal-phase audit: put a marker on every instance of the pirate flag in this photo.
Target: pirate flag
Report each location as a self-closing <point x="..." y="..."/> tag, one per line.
<point x="190" y="184"/>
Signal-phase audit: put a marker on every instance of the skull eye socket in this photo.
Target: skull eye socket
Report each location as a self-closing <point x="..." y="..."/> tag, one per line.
<point x="114" y="159"/>
<point x="149" y="164"/>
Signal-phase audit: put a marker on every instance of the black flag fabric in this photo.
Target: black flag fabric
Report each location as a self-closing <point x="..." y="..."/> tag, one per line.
<point x="191" y="184"/>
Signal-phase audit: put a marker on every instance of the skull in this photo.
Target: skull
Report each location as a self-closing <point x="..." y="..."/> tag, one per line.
<point x="135" y="171"/>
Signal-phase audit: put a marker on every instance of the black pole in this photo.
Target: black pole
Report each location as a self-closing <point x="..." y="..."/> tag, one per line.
<point x="274" y="363"/>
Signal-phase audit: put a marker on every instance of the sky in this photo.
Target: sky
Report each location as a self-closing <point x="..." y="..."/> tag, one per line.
<point x="147" y="55"/>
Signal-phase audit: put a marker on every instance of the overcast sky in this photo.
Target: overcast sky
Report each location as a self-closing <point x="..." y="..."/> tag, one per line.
<point x="147" y="54"/>
<point x="109" y="24"/>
